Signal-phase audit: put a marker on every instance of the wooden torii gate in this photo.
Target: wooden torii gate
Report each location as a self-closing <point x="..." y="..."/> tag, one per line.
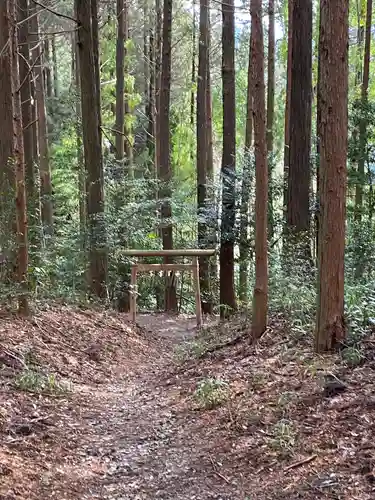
<point x="194" y="254"/>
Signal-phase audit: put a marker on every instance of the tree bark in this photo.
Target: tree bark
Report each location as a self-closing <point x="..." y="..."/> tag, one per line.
<point x="19" y="161"/>
<point x="227" y="290"/>
<point x="123" y="299"/>
<point x="32" y="186"/>
<point x="156" y="112"/>
<point x="213" y="229"/>
<point x="7" y="181"/>
<point x="128" y="145"/>
<point x="56" y="89"/>
<point x="146" y="51"/>
<point x="34" y="122"/>
<point x="270" y="112"/>
<point x="12" y="148"/>
<point x="318" y="133"/>
<point x="299" y="176"/>
<point x="47" y="68"/>
<point x="287" y="107"/>
<point x="151" y="108"/>
<point x="333" y="97"/>
<point x="44" y="160"/>
<point x="244" y="246"/>
<point x="120" y="82"/>
<point x="360" y="11"/>
<point x="96" y="61"/>
<point x="260" y="298"/>
<point x="363" y="122"/>
<point x="165" y="160"/>
<point x="203" y="154"/>
<point x="92" y="150"/>
<point x="82" y="187"/>
<point x="193" y="72"/>
<point x="158" y="53"/>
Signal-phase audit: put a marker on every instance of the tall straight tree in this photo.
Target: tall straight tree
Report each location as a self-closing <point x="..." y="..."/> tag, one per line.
<point x="333" y="98"/>
<point x="246" y="185"/>
<point x="363" y="121"/>
<point x="287" y="107"/>
<point x="32" y="186"/>
<point x="19" y="165"/>
<point x="47" y="69"/>
<point x="203" y="151"/>
<point x="92" y="149"/>
<point x="121" y="138"/>
<point x="260" y="298"/>
<point x="120" y="81"/>
<point x="123" y="142"/>
<point x="151" y="102"/>
<point x="360" y="14"/>
<point x="122" y="135"/>
<point x="12" y="149"/>
<point x="193" y="70"/>
<point x="270" y="110"/>
<point x="96" y="60"/>
<point x="7" y="186"/>
<point x="228" y="165"/>
<point x="299" y="176"/>
<point x="165" y="171"/>
<point x="44" y="159"/>
<point x="128" y="143"/>
<point x="271" y="75"/>
<point x="158" y="51"/>
<point x="82" y="187"/>
<point x="56" y="89"/>
<point x="318" y="126"/>
<point x="211" y="193"/>
<point x="146" y="53"/>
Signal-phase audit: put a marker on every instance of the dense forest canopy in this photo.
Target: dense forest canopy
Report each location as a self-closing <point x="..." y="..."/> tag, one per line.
<point x="247" y="128"/>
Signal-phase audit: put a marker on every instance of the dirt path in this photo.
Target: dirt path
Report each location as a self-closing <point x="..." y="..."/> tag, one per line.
<point x="124" y="440"/>
<point x="131" y="429"/>
<point x="133" y="441"/>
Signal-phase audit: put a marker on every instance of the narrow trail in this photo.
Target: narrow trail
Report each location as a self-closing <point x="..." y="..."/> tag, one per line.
<point x="132" y="440"/>
<point x="131" y="427"/>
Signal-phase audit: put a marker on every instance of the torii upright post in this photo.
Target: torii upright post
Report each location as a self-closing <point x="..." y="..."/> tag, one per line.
<point x="193" y="267"/>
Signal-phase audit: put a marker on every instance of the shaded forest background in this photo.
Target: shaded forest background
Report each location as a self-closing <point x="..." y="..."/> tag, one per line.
<point x="149" y="125"/>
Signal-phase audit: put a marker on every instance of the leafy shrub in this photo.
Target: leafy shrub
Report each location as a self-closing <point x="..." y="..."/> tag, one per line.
<point x="33" y="381"/>
<point x="284" y="437"/>
<point x="211" y="392"/>
<point x="352" y="356"/>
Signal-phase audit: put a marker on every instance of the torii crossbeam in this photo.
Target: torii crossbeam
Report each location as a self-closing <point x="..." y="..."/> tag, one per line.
<point x="193" y="267"/>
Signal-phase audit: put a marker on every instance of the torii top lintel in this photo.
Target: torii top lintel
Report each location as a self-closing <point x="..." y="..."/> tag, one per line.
<point x="191" y="252"/>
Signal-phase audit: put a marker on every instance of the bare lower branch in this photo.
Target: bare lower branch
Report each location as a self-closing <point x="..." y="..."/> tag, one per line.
<point x="37" y="59"/>
<point x="54" y="12"/>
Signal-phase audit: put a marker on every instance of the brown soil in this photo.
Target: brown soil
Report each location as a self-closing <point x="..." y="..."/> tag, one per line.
<point x="130" y="426"/>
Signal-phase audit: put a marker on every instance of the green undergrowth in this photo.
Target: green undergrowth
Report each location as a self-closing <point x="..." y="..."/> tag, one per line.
<point x="211" y="392"/>
<point x="213" y="338"/>
<point x="283" y="437"/>
<point x="31" y="380"/>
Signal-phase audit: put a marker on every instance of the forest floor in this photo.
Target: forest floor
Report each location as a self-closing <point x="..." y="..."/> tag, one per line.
<point x="91" y="407"/>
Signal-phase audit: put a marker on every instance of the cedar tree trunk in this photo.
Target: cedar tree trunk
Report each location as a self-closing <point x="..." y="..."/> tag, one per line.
<point x="333" y="97"/>
<point x="203" y="152"/>
<point x="44" y="162"/>
<point x="363" y="122"/>
<point x="299" y="178"/>
<point x="244" y="246"/>
<point x="92" y="150"/>
<point x="227" y="291"/>
<point x="260" y="298"/>
<point x="165" y="170"/>
<point x="270" y="111"/>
